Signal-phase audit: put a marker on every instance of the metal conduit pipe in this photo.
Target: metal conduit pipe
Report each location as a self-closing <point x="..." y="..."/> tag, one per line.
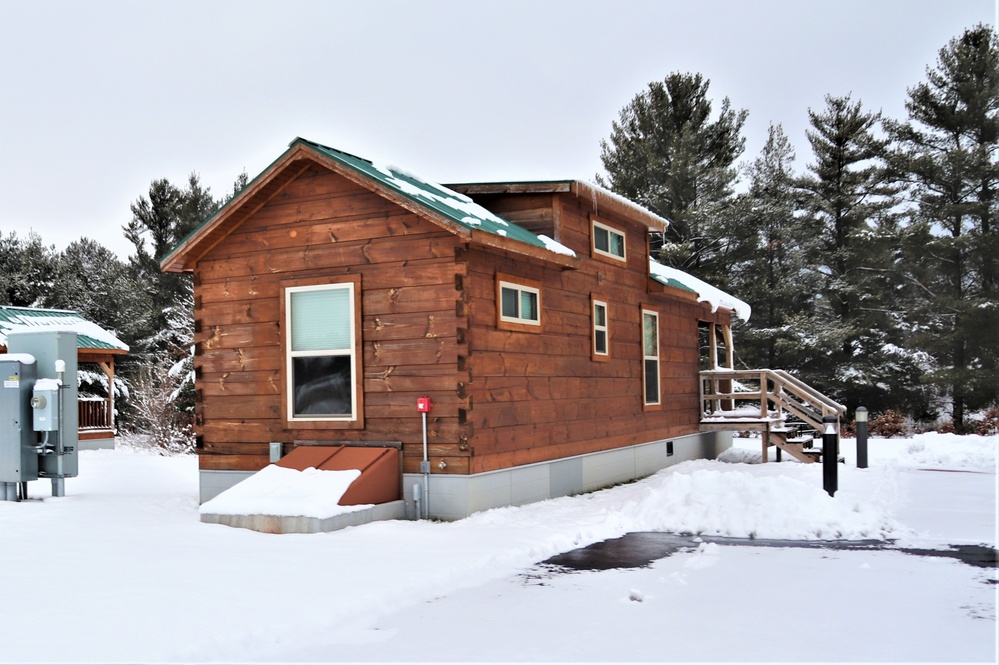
<point x="423" y="405"/>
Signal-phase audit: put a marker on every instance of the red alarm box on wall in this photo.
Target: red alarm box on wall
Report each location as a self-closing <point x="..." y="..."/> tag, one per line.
<point x="423" y="404"/>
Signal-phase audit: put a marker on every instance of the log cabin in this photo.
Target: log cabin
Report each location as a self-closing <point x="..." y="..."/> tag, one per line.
<point x="97" y="349"/>
<point x="333" y="294"/>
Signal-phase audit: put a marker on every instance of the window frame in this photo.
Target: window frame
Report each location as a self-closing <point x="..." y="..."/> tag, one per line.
<point x="520" y="285"/>
<point x="596" y="223"/>
<point x="354" y="420"/>
<point x="647" y="310"/>
<point x="594" y="353"/>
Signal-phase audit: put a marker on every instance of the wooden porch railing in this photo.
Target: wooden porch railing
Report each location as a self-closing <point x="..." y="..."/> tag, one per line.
<point x="94" y="414"/>
<point x="763" y="394"/>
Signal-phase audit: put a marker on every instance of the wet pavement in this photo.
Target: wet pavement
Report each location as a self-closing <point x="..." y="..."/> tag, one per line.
<point x="640" y="549"/>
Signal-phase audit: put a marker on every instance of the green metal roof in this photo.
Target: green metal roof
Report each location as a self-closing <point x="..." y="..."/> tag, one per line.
<point x="669" y="281"/>
<point x="705" y="292"/>
<point x="89" y="335"/>
<point x="456" y="207"/>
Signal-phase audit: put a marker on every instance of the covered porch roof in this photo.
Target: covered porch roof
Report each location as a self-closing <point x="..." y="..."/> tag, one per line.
<point x="94" y="343"/>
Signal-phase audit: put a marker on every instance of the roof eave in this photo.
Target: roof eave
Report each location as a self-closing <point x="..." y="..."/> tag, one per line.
<point x="599" y="197"/>
<point x="511" y="246"/>
<point x="602" y="198"/>
<point x="191" y="248"/>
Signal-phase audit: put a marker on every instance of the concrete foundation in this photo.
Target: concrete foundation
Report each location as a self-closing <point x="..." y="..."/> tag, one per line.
<point x="453" y="497"/>
<point x="394" y="510"/>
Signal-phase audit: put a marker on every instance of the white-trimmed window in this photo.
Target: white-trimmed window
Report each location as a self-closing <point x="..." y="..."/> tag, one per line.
<point x="650" y="356"/>
<point x="601" y="337"/>
<point x="518" y="303"/>
<point x="321" y="348"/>
<point x="608" y="241"/>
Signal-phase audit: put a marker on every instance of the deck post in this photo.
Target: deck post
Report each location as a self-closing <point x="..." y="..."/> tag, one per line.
<point x="766" y="443"/>
<point x="729" y="348"/>
<point x="713" y="345"/>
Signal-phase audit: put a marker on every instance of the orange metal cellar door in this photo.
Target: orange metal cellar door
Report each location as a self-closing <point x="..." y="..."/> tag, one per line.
<point x="381" y="474"/>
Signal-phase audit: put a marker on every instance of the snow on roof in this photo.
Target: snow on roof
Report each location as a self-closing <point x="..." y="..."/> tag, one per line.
<point x="626" y="202"/>
<point x="89" y="335"/>
<point x="456" y="207"/>
<point x="599" y="196"/>
<point x="705" y="292"/>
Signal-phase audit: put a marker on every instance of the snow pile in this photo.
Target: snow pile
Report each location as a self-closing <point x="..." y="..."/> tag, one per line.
<point x="714" y="498"/>
<point x="275" y="490"/>
<point x="129" y="523"/>
<point x="705" y="292"/>
<point x="943" y="451"/>
<point x="735" y="455"/>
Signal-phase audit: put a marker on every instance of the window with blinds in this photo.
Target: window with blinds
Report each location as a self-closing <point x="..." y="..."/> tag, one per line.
<point x="650" y="353"/>
<point x="518" y="304"/>
<point x="321" y="352"/>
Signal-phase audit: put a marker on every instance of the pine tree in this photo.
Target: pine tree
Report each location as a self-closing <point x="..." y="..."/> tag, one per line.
<point x="947" y="152"/>
<point x="26" y="269"/>
<point x="666" y="153"/>
<point x="94" y="282"/>
<point x="854" y="340"/>
<point x="158" y="223"/>
<point x="164" y="343"/>
<point x="772" y="272"/>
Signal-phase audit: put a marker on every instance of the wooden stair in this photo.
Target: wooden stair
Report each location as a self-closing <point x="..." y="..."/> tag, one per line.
<point x="801" y="448"/>
<point x="730" y="403"/>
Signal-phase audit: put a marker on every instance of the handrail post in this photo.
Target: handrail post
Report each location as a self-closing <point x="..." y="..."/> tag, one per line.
<point x="700" y="389"/>
<point x="764" y="395"/>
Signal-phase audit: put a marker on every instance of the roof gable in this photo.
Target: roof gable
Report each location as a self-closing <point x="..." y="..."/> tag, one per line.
<point x="89" y="335"/>
<point x="451" y="210"/>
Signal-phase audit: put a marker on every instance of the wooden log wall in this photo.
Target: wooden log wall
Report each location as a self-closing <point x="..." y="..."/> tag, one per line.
<point x="321" y="226"/>
<point x="537" y="397"/>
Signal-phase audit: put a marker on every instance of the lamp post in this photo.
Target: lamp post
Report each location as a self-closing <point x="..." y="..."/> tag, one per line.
<point x="860" y="417"/>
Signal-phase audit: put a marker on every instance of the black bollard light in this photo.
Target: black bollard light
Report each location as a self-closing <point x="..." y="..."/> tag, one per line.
<point x="830" y="455"/>
<point x="860" y="417"/>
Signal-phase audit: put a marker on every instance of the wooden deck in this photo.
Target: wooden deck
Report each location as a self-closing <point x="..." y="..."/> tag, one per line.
<point x="766" y="400"/>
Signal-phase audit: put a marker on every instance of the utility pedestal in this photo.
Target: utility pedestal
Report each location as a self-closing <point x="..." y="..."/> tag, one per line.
<point x="55" y="353"/>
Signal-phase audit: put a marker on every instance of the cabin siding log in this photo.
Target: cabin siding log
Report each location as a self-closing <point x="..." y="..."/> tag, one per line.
<point x="322" y="227"/>
<point x="539" y="397"/>
<point x="428" y="321"/>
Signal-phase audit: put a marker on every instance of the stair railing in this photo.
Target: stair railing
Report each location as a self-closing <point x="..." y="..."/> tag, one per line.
<point x="778" y="391"/>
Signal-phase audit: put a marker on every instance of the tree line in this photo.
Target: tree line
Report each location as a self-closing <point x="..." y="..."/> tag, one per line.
<point x="872" y="272"/>
<point x="149" y="310"/>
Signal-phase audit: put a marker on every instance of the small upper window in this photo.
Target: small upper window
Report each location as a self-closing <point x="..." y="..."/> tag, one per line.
<point x="518" y="304"/>
<point x="608" y="241"/>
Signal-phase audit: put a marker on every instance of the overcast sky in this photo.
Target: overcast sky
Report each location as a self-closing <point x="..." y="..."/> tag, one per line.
<point x="97" y="99"/>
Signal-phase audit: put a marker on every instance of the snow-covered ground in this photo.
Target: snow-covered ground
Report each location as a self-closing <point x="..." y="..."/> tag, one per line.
<point x="120" y="569"/>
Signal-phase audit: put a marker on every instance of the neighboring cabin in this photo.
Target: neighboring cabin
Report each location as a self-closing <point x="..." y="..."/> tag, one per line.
<point x="331" y="293"/>
<point x="96" y="352"/>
